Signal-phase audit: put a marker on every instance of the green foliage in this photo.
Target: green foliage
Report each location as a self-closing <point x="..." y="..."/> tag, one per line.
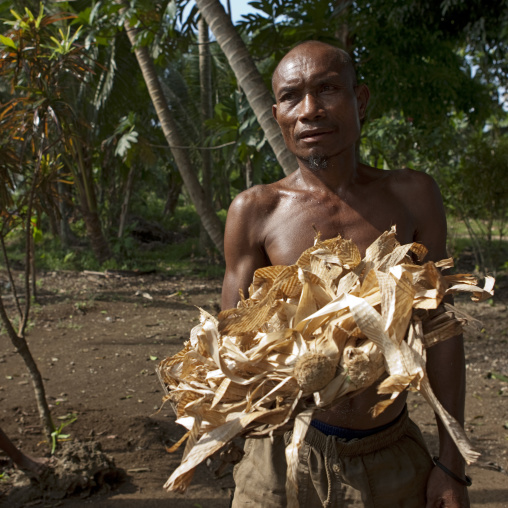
<point x="36" y="122"/>
<point x="434" y="70"/>
<point x="483" y="186"/>
<point x="182" y="256"/>
<point x="234" y="122"/>
<point x="185" y="219"/>
<point x="390" y="142"/>
<point x="421" y="58"/>
<point x="470" y="166"/>
<point x="477" y="192"/>
<point x="64" y="44"/>
<point x="57" y="435"/>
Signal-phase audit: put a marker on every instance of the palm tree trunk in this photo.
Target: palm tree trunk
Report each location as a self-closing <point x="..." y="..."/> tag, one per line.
<point x="343" y="33"/>
<point x="87" y="199"/>
<point x="98" y="242"/>
<point x="248" y="77"/>
<point x="204" y="208"/>
<point x="205" y="85"/>
<point x="126" y="200"/>
<point x="205" y="82"/>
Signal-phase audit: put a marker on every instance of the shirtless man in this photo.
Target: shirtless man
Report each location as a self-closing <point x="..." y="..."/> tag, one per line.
<point x="319" y="108"/>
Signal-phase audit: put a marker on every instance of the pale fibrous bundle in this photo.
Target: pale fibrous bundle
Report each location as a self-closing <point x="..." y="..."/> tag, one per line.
<point x="308" y="336"/>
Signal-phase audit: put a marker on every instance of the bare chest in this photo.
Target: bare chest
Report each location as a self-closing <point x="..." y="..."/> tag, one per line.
<point x="293" y="225"/>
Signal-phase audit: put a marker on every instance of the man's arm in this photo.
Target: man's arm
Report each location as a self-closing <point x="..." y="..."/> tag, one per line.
<point x="243" y="244"/>
<point x="445" y="360"/>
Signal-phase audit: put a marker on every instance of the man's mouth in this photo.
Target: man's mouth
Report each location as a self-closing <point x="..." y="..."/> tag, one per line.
<point x="313" y="135"/>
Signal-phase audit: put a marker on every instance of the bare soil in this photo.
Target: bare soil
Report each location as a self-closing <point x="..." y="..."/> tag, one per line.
<point x="97" y="341"/>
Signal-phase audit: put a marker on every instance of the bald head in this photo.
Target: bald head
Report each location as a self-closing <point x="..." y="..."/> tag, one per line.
<point x="338" y="58"/>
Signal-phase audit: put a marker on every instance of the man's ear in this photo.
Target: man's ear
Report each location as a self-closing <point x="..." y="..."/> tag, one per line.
<point x="274" y="112"/>
<point x="362" y="96"/>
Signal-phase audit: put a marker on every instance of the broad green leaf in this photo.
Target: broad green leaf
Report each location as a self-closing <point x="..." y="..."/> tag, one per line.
<point x="7" y="41"/>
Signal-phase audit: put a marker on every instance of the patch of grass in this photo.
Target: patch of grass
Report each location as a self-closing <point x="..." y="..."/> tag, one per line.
<point x="84" y="306"/>
<point x="57" y="435"/>
<point x="68" y="325"/>
<point x="456" y="227"/>
<point x="16" y="322"/>
<point x="15" y="246"/>
<point x="181" y="257"/>
<point x="493" y="253"/>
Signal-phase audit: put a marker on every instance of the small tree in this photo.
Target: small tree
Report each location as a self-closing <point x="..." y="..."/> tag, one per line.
<point x="479" y="195"/>
<point x="45" y="66"/>
<point x="36" y="129"/>
<point x="17" y="206"/>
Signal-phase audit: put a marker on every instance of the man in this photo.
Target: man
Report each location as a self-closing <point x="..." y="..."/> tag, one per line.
<point x="349" y="458"/>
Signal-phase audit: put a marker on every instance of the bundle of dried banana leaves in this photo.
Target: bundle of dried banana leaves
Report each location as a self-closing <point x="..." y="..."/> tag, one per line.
<point x="310" y="334"/>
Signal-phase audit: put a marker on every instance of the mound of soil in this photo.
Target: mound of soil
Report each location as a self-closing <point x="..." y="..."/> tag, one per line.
<point x="76" y="469"/>
<point x="97" y="340"/>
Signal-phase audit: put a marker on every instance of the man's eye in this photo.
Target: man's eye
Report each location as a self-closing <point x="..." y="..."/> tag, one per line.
<point x="287" y="97"/>
<point x="328" y="88"/>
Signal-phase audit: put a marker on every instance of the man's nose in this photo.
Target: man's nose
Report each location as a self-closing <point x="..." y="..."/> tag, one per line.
<point x="311" y="108"/>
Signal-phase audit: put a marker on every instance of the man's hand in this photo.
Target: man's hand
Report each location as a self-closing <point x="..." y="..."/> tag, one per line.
<point x="445" y="492"/>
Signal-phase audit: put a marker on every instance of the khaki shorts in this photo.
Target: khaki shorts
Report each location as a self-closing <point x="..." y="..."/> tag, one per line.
<point x="388" y="469"/>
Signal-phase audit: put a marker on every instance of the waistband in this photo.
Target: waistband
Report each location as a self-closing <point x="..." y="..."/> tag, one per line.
<point x="368" y="444"/>
<point x="349" y="434"/>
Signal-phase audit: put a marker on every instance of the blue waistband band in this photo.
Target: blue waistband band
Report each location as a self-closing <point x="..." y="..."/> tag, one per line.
<point x="348" y="434"/>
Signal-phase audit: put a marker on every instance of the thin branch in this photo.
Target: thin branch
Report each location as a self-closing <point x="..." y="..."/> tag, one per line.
<point x="11" y="279"/>
<point x="28" y="252"/>
<point x="4" y="318"/>
<point x="19" y="342"/>
<point x="194" y="147"/>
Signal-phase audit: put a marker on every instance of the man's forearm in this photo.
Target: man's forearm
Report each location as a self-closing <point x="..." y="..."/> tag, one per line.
<point x="446" y="371"/>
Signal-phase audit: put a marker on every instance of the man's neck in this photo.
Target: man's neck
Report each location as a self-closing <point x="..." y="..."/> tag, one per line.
<point x="338" y="174"/>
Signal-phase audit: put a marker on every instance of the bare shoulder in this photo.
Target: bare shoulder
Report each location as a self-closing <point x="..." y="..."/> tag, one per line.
<point x="260" y="199"/>
<point x="244" y="240"/>
<point x="254" y="199"/>
<point x="249" y="214"/>
<point x="421" y="196"/>
<point x="409" y="187"/>
<point x="414" y="182"/>
<point x="416" y="190"/>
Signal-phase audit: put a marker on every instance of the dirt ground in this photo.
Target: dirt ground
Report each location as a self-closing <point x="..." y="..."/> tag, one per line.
<point x="97" y="341"/>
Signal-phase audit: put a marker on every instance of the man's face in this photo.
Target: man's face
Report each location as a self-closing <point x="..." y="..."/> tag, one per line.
<point x="318" y="107"/>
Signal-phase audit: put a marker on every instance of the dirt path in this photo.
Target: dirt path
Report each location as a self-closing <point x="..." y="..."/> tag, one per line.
<point x="97" y="341"/>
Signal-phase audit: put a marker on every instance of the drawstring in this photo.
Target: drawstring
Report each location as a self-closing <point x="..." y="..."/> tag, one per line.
<point x="330" y="454"/>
